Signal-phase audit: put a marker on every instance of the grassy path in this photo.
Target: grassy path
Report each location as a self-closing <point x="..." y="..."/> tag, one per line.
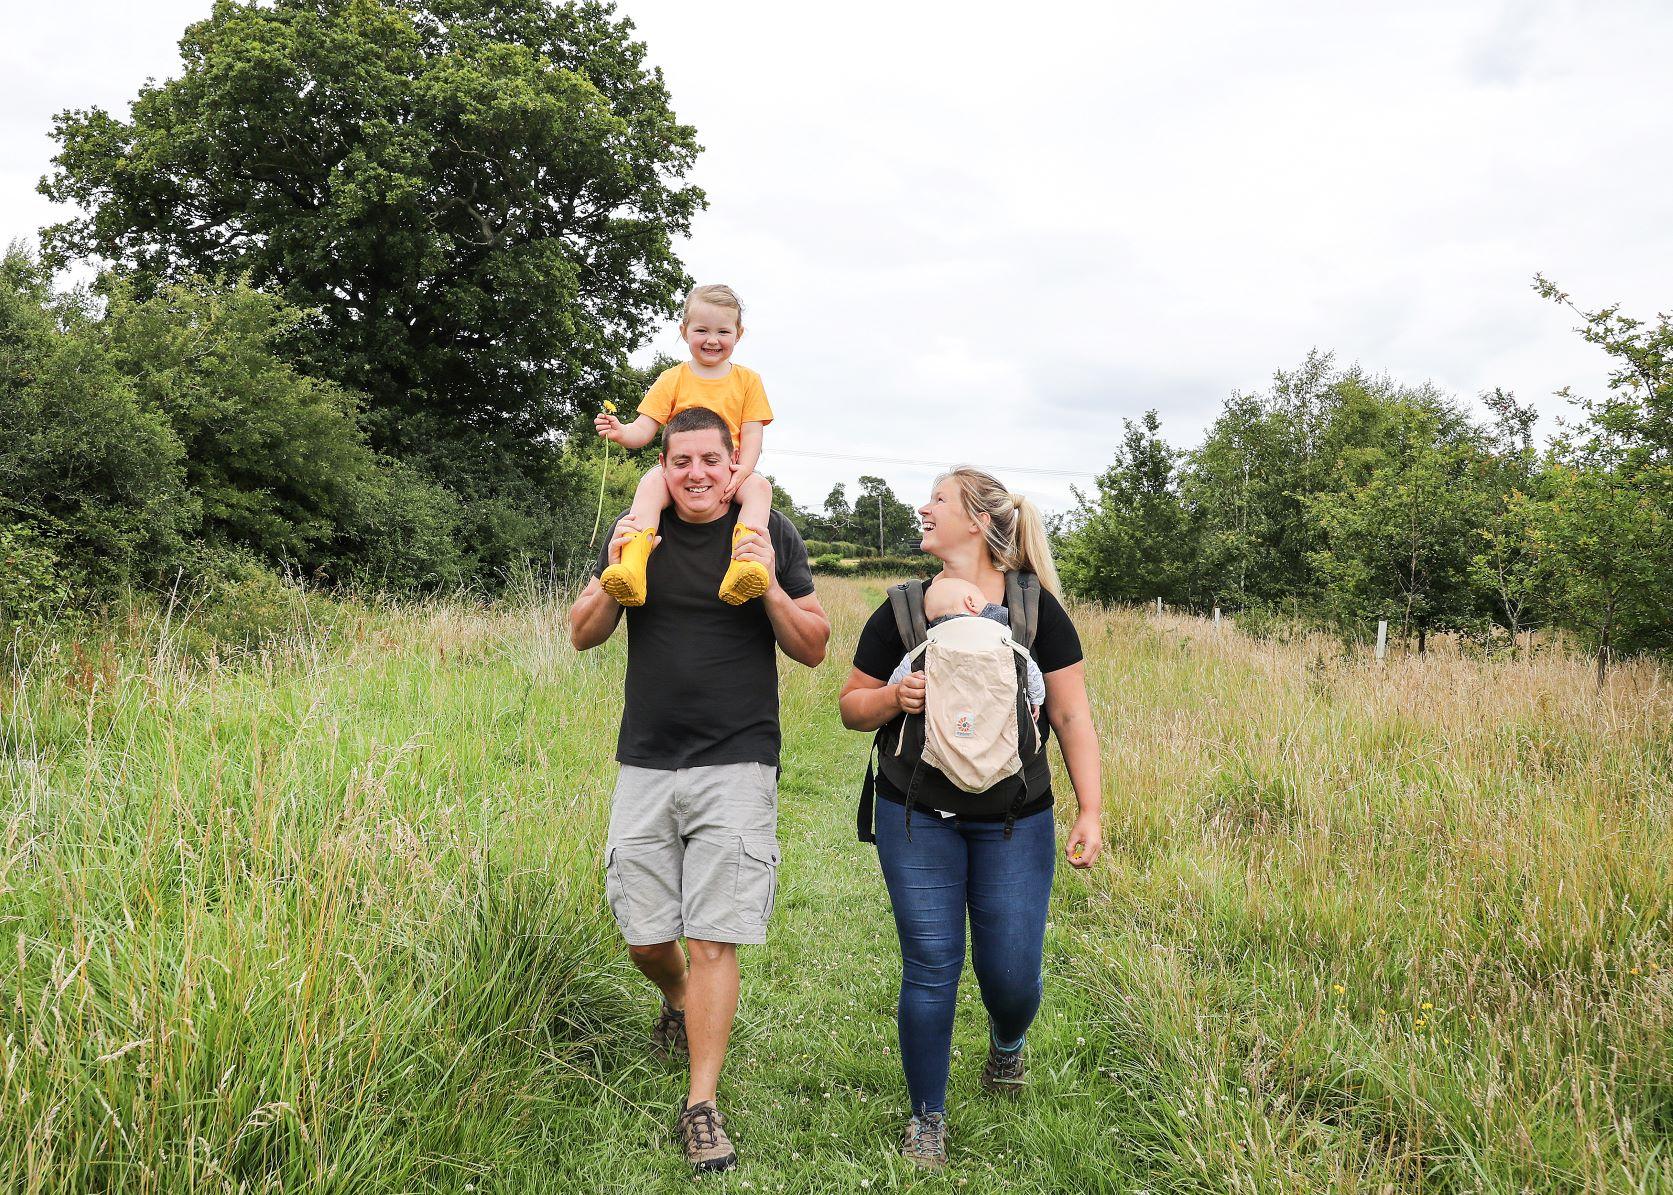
<point x="330" y="919"/>
<point x="813" y="1087"/>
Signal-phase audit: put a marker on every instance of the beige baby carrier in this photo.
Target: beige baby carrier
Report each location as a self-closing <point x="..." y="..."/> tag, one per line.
<point x="976" y="735"/>
<point x="974" y="670"/>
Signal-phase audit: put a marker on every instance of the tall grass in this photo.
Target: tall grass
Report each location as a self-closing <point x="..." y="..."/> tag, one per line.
<point x="325" y="915"/>
<point x="1396" y="927"/>
<point x="323" y="918"/>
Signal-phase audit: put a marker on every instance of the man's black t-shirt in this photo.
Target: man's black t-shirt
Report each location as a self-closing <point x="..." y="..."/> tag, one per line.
<point x="702" y="675"/>
<point x="1056" y="645"/>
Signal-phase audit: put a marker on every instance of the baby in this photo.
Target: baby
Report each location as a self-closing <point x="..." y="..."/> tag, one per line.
<point x="711" y="327"/>
<point x="952" y="598"/>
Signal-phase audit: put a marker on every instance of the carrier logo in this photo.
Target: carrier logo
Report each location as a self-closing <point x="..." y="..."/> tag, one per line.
<point x="964" y="726"/>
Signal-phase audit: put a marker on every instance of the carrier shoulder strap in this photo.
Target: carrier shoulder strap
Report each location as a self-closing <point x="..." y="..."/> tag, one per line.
<point x="906" y="601"/>
<point x="1022" y="599"/>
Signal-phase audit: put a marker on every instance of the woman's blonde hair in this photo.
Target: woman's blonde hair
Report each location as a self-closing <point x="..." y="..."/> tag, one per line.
<point x="717" y="293"/>
<point x="1016" y="534"/>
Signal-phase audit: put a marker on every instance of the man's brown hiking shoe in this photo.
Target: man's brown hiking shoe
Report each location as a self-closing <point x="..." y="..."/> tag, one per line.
<point x="1003" y="1073"/>
<point x="668" y="1035"/>
<point x="926" y="1141"/>
<point x="703" y="1137"/>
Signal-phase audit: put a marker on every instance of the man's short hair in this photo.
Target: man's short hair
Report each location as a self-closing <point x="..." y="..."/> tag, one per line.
<point x="695" y="419"/>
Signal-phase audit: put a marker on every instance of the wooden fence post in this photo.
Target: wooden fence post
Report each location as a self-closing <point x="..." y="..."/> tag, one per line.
<point x="1382" y="639"/>
<point x="1216" y="618"/>
<point x="1158" y="607"/>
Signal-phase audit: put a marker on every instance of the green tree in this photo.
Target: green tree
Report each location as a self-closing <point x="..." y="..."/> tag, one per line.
<point x="1135" y="540"/>
<point x="1506" y="564"/>
<point x="477" y="197"/>
<point x="878" y="512"/>
<point x="276" y="459"/>
<point x="93" y="473"/>
<point x="1608" y="528"/>
<point x="836" y="518"/>
<point x="1397" y="523"/>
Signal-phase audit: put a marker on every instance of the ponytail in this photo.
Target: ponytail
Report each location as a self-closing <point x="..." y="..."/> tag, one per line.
<point x="1016" y="533"/>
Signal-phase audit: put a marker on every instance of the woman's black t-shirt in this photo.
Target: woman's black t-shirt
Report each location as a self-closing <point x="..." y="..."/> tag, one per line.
<point x="1056" y="645"/>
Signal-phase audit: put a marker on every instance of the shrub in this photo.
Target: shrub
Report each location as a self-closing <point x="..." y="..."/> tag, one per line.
<point x="878" y="566"/>
<point x="235" y="604"/>
<point x="32" y="592"/>
<point x="84" y="463"/>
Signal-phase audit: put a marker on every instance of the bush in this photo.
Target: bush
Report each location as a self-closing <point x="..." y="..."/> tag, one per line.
<point x="878" y="566"/>
<point x="85" y="464"/>
<point x="31" y="591"/>
<point x="276" y="459"/>
<point x="235" y="604"/>
<point x="839" y="547"/>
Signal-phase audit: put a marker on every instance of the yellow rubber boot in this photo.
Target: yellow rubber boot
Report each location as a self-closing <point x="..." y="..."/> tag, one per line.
<point x="745" y="579"/>
<point x="626" y="581"/>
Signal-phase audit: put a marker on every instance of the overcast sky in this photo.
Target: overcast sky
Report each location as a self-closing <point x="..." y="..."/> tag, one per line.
<point x="987" y="233"/>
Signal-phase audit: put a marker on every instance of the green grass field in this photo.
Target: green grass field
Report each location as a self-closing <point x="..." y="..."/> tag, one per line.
<point x="330" y="918"/>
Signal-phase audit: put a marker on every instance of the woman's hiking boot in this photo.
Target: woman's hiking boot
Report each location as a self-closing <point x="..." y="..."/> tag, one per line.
<point x="668" y="1041"/>
<point x="1003" y="1073"/>
<point x="703" y="1137"/>
<point x="926" y="1141"/>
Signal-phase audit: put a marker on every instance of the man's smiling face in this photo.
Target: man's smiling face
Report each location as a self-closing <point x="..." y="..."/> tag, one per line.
<point x="696" y="466"/>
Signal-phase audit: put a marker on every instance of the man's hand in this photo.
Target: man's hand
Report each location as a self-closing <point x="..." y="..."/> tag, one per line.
<point x="758" y="546"/>
<point x="740" y="474"/>
<point x="626" y="528"/>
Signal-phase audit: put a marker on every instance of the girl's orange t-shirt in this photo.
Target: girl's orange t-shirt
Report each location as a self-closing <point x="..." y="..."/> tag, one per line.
<point x="738" y="398"/>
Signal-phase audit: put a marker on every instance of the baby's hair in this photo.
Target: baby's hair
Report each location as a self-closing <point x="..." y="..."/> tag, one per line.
<point x="717" y="293"/>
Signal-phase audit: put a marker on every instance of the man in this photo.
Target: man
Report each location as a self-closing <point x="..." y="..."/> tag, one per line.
<point x="693" y="843"/>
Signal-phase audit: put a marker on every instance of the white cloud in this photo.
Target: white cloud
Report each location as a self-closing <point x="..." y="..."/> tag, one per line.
<point x="990" y="232"/>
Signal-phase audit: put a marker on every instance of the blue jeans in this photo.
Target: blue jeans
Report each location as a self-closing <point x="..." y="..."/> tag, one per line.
<point x="951" y="867"/>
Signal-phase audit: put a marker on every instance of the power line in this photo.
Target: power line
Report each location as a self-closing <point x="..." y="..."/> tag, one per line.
<point x="899" y="460"/>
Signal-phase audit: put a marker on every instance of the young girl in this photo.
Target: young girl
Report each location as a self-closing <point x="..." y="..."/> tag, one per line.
<point x="712" y="325"/>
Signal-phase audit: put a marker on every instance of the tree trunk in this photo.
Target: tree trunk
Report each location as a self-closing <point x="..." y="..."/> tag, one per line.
<point x="1422" y="638"/>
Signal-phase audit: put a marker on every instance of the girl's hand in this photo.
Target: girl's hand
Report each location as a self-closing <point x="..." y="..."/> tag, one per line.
<point x="739" y="476"/>
<point x="1085" y="843"/>
<point x="909" y="693"/>
<point x="609" y="427"/>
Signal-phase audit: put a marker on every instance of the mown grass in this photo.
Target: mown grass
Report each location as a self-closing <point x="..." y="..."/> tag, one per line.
<point x="328" y="917"/>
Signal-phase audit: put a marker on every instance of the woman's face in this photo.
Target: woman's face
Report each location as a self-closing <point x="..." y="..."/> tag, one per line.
<point x="946" y="527"/>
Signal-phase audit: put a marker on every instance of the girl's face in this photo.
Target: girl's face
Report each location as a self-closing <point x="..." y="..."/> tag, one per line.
<point x="946" y="527"/>
<point x="711" y="332"/>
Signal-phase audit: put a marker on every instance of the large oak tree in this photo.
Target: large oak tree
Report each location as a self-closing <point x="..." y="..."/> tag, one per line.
<point x="478" y="197"/>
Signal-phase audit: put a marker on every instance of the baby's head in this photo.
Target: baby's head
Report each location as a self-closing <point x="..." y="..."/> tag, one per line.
<point x="712" y="322"/>
<point x="949" y="596"/>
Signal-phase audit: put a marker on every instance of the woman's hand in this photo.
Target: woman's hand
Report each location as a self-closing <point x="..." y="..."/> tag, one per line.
<point x="909" y="693"/>
<point x="1086" y="841"/>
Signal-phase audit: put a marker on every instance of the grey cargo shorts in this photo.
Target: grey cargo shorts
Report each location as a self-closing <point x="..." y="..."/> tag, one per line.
<point x="693" y="853"/>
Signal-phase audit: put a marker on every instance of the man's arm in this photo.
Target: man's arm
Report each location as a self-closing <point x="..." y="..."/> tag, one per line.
<point x="799" y="625"/>
<point x="593" y="617"/>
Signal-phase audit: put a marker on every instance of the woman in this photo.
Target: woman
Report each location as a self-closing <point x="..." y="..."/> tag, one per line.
<point x="940" y="863"/>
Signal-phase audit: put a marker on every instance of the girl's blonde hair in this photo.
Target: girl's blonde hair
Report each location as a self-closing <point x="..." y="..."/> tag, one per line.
<point x="1016" y="534"/>
<point x="717" y="293"/>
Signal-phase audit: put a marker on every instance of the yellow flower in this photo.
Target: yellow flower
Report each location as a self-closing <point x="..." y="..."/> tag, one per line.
<point x="1635" y="970"/>
<point x="1427" y="1006"/>
<point x="1421" y="1022"/>
<point x="609" y="406"/>
<point x="1338" y="989"/>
